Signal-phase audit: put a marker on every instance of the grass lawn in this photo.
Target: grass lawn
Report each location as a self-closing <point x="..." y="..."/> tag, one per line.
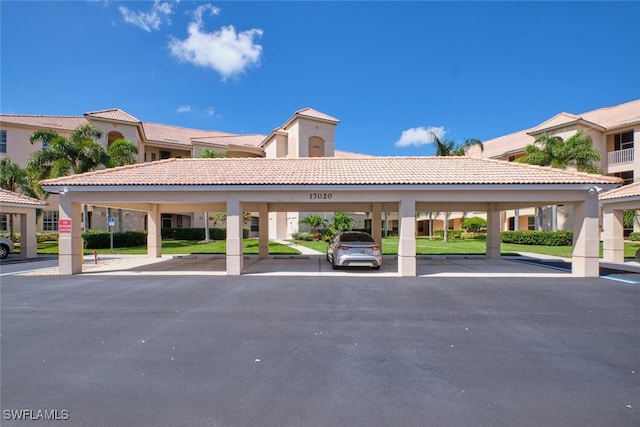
<point x="424" y="246"/>
<point x="174" y="247"/>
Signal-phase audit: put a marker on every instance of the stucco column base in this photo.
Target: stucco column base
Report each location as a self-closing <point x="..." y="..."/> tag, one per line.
<point x="234" y="265"/>
<point x="70" y="261"/>
<point x="407" y="266"/>
<point x="613" y="241"/>
<point x="585" y="266"/>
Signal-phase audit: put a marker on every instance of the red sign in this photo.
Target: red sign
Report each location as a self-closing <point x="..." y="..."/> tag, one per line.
<point x="64" y="226"/>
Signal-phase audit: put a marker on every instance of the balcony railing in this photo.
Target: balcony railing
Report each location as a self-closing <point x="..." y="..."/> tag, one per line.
<point x="620" y="156"/>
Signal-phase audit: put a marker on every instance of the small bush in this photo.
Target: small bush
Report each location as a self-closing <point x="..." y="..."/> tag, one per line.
<point x="303" y="235"/>
<point x="635" y="236"/>
<point x="451" y="234"/>
<point x="541" y="238"/>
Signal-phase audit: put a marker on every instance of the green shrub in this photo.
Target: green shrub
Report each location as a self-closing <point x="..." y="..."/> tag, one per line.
<point x="540" y="238"/>
<point x="303" y="235"/>
<point x="473" y="236"/>
<point x="635" y="236"/>
<point x="451" y="234"/>
<point x="198" y="233"/>
<point x="102" y="240"/>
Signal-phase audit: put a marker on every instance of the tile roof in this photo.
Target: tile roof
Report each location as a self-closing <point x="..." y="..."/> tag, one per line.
<point x="498" y="147"/>
<point x="113" y="114"/>
<point x="315" y="114"/>
<point x="626" y="191"/>
<point x="44" y="122"/>
<point x="176" y="135"/>
<point x="351" y="155"/>
<point x="252" y="140"/>
<point x="618" y="115"/>
<point x="11" y="198"/>
<point x="557" y="120"/>
<point x="330" y="171"/>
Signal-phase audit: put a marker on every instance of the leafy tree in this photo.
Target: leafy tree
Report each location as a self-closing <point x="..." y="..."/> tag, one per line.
<point x="576" y="152"/>
<point x="474" y="224"/>
<point x="314" y="221"/>
<point x="449" y="148"/>
<point x="12" y="176"/>
<point x="342" y="222"/>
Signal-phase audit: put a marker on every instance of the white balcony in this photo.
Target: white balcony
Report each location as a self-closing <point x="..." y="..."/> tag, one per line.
<point x="620" y="157"/>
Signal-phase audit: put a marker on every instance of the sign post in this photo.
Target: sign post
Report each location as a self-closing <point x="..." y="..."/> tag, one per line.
<point x="112" y="222"/>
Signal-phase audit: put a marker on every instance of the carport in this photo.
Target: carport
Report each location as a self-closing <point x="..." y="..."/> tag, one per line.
<point x="614" y="203"/>
<point x="383" y="184"/>
<point x="25" y="208"/>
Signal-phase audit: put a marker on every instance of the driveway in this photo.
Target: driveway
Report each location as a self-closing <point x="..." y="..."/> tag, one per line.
<point x="213" y="350"/>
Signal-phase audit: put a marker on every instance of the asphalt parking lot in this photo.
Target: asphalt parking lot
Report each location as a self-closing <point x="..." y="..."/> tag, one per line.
<point x="213" y="350"/>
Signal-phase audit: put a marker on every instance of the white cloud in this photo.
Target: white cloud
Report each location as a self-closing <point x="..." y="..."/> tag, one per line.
<point x="420" y="136"/>
<point x="226" y="51"/>
<point x="183" y="109"/>
<point x="148" y="21"/>
<point x="208" y="112"/>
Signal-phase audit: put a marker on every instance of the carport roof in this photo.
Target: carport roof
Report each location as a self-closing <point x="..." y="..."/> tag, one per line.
<point x="330" y="171"/>
<point x="15" y="199"/>
<point x="624" y="192"/>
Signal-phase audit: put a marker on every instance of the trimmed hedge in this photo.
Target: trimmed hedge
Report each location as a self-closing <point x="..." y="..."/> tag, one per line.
<point x="101" y="239"/>
<point x="635" y="236"/>
<point x="541" y="238"/>
<point x="198" y="233"/>
<point x="451" y="234"/>
<point x="40" y="237"/>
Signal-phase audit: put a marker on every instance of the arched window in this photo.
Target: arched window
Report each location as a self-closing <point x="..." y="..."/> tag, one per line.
<point x="316" y="147"/>
<point x="112" y="136"/>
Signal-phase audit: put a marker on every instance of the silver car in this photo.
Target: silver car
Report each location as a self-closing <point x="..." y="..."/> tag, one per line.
<point x="354" y="249"/>
<point x="6" y="247"/>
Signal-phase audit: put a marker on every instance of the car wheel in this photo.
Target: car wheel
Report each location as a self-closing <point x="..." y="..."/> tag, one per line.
<point x="333" y="264"/>
<point x="4" y="251"/>
<point x="377" y="267"/>
<point x="328" y="259"/>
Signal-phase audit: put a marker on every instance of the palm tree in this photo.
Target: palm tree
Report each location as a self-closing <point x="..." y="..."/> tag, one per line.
<point x="121" y="152"/>
<point x="449" y="148"/>
<point x="62" y="156"/>
<point x="576" y="152"/>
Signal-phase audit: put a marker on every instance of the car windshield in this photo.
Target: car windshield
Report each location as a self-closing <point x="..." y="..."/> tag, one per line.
<point x="356" y="237"/>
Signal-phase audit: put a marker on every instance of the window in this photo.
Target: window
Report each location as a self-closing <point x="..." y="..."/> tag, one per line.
<point x="450" y="224"/>
<point x="50" y="221"/>
<point x="627" y="176"/>
<point x="3" y="141"/>
<point x="623" y="141"/>
<point x="165" y="154"/>
<point x="4" y="222"/>
<point x="153" y="157"/>
<point x="531" y="223"/>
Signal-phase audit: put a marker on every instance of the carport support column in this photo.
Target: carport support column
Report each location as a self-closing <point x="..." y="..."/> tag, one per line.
<point x="263" y="233"/>
<point x="407" y="239"/>
<point x="234" y="238"/>
<point x="376" y="222"/>
<point x="613" y="238"/>
<point x="28" y="240"/>
<point x="493" y="232"/>
<point x="70" y="255"/>
<point x="154" y="234"/>
<point x="585" y="261"/>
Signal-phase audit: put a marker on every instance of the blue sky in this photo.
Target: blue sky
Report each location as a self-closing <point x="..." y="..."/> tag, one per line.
<point x="388" y="70"/>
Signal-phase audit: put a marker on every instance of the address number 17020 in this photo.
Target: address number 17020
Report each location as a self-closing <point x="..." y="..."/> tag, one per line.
<point x="320" y="196"/>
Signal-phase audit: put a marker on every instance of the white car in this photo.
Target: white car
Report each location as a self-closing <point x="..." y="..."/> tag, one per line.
<point x="6" y="247"/>
<point x="354" y="249"/>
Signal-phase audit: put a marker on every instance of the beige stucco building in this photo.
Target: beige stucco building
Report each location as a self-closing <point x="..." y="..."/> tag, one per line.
<point x="307" y="133"/>
<point x="614" y="132"/>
